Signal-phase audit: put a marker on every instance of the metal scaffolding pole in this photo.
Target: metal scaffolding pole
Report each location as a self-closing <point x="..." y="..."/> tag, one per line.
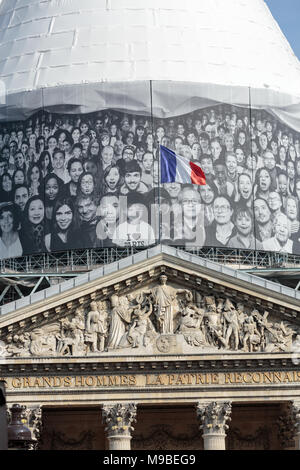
<point x="23" y="276"/>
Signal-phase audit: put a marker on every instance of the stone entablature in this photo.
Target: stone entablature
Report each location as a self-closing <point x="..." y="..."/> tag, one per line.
<point x="166" y="328"/>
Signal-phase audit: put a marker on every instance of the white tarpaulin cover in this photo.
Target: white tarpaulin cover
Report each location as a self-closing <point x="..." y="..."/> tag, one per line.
<point x="212" y="49"/>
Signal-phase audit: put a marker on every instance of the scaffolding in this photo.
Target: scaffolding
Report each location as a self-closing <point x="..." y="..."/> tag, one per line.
<point x="23" y="276"/>
<point x="84" y="260"/>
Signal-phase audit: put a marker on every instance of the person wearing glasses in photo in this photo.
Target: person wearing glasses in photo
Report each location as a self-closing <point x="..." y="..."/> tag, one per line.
<point x="269" y="164"/>
<point x="189" y="224"/>
<point x="222" y="228"/>
<point x="275" y="204"/>
<point x="107" y="157"/>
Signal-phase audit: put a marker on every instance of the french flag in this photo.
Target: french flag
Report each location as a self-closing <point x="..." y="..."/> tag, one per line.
<point x="175" y="168"/>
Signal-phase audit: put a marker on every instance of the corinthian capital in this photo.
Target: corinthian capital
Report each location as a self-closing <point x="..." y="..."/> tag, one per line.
<point x="213" y="416"/>
<point x="119" y="418"/>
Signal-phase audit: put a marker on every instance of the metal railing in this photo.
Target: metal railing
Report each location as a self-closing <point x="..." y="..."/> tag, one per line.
<point x="144" y="255"/>
<point x="85" y="260"/>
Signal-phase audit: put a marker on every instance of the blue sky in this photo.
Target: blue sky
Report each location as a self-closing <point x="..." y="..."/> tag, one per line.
<point x="287" y="15"/>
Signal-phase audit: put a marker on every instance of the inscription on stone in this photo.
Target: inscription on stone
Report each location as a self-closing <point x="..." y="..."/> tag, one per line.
<point x="153" y="380"/>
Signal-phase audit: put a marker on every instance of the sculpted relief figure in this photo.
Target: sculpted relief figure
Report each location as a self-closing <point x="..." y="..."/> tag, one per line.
<point x="251" y="337"/>
<point x="190" y="325"/>
<point x="70" y="338"/>
<point x="280" y="338"/>
<point x="232" y="326"/>
<point x="44" y="340"/>
<point x="141" y="328"/>
<point x="120" y="318"/>
<point x="165" y="304"/>
<point x="213" y="323"/>
<point x="156" y="316"/>
<point x="17" y="345"/>
<point x="96" y="328"/>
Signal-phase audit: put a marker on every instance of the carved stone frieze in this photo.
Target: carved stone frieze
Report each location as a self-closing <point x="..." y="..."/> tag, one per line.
<point x="60" y="441"/>
<point x="258" y="440"/>
<point x="161" y="316"/>
<point x="163" y="437"/>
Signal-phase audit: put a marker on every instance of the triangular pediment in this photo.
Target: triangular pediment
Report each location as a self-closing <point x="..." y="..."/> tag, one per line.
<point x="159" y="301"/>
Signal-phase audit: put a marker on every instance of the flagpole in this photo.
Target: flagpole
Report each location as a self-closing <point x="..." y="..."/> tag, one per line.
<point x="159" y="207"/>
<point x="159" y="172"/>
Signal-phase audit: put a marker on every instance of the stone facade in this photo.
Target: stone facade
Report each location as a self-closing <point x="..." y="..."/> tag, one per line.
<point x="166" y="332"/>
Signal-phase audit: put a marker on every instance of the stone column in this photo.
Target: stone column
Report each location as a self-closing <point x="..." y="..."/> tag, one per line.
<point x="286" y="427"/>
<point x="119" y="418"/>
<point x="3" y="418"/>
<point x="213" y="417"/>
<point x="35" y="423"/>
<point x="296" y="416"/>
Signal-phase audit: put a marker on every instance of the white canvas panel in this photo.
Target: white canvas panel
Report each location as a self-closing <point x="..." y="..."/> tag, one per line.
<point x="240" y="35"/>
<point x="236" y="43"/>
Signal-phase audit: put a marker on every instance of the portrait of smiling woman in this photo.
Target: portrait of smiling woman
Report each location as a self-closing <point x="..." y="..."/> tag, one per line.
<point x="263" y="184"/>
<point x="51" y="190"/>
<point x="32" y="230"/>
<point x="10" y="245"/>
<point x="45" y="164"/>
<point x="61" y="236"/>
<point x="112" y="180"/>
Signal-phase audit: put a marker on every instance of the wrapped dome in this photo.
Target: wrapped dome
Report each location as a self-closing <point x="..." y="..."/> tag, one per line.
<point x="219" y="48"/>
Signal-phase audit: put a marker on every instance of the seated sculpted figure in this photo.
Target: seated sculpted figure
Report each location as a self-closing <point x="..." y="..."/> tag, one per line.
<point x="190" y="325"/>
<point x="140" y="326"/>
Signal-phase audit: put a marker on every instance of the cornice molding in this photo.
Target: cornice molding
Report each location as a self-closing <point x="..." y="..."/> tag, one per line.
<point x="178" y="364"/>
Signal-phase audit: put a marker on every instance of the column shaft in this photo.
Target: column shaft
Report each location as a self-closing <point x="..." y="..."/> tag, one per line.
<point x="297" y="441"/>
<point x="296" y="416"/>
<point x="214" y="441"/>
<point x="119" y="442"/>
